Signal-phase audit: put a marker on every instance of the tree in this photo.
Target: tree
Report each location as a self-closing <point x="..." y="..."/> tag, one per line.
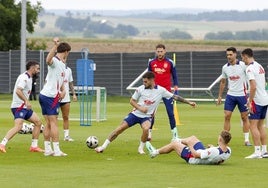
<point x="10" y="22"/>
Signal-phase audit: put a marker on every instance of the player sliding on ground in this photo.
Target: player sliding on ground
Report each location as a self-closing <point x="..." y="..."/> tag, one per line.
<point x="145" y="101"/>
<point x="193" y="151"/>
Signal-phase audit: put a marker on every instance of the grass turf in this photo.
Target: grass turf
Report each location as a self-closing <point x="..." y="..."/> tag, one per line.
<point x="120" y="165"/>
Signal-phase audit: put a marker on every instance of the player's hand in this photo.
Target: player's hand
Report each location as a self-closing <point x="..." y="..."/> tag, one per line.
<point x="74" y="98"/>
<point x="143" y="109"/>
<point x="28" y="105"/>
<point x="218" y="101"/>
<point x="193" y="104"/>
<point x="56" y="40"/>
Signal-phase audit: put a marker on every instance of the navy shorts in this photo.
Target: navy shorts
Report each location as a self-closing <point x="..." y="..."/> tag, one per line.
<point x="131" y="119"/>
<point x="22" y="113"/>
<point x="49" y="105"/>
<point x="186" y="153"/>
<point x="232" y="101"/>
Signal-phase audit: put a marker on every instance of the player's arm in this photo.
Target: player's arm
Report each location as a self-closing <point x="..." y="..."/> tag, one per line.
<point x="52" y="51"/>
<point x="181" y="99"/>
<point x="71" y="85"/>
<point x="135" y="104"/>
<point x="221" y="89"/>
<point x="252" y="92"/>
<point x="19" y="92"/>
<point x="62" y="92"/>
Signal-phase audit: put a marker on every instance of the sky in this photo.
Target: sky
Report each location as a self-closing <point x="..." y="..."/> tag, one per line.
<point x="240" y="5"/>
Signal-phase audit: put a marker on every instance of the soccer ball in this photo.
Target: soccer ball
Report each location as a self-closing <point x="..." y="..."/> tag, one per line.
<point x="24" y="129"/>
<point x="92" y="142"/>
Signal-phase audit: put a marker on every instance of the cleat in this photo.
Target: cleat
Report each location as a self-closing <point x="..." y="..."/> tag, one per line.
<point x="99" y="149"/>
<point x="247" y="143"/>
<point x="265" y="155"/>
<point x="36" y="149"/>
<point x="140" y="151"/>
<point x="48" y="153"/>
<point x="68" y="139"/>
<point x="59" y="154"/>
<point x="151" y="149"/>
<point x="254" y="156"/>
<point x="3" y="148"/>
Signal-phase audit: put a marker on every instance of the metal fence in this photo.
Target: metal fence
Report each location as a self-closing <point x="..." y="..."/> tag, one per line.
<point x="115" y="71"/>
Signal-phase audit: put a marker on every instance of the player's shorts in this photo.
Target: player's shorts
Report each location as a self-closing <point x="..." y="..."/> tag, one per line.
<point x="186" y="153"/>
<point x="131" y="119"/>
<point x="259" y="112"/>
<point x="232" y="101"/>
<point x="49" y="105"/>
<point x="22" y="113"/>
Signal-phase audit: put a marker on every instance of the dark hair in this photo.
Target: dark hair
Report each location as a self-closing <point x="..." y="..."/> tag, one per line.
<point x="30" y="64"/>
<point x="248" y="52"/>
<point x="148" y="75"/>
<point x="233" y="49"/>
<point x="63" y="47"/>
<point x="160" y="46"/>
<point x="226" y="136"/>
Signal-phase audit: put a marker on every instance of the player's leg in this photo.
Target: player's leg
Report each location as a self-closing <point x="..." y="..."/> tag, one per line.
<point x="35" y="133"/>
<point x="229" y="105"/>
<point x="145" y="125"/>
<point x="113" y="135"/>
<point x="172" y="122"/>
<point x="65" y="110"/>
<point x="241" y="103"/>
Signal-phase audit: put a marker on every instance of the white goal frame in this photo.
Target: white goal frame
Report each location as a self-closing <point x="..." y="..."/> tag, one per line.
<point x="132" y="87"/>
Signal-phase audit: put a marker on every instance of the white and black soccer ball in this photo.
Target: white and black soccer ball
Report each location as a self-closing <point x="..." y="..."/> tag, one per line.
<point x="92" y="142"/>
<point x="24" y="129"/>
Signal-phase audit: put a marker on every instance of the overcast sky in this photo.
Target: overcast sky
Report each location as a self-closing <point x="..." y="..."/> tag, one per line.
<point x="240" y="5"/>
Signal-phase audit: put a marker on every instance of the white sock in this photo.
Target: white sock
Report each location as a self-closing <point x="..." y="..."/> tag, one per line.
<point x="47" y="146"/>
<point x="66" y="133"/>
<point x="56" y="147"/>
<point x="150" y="133"/>
<point x="105" y="144"/>
<point x="174" y="132"/>
<point x="34" y="143"/>
<point x="142" y="144"/>
<point x="258" y="149"/>
<point x="246" y="137"/>
<point x="264" y="149"/>
<point x="4" y="141"/>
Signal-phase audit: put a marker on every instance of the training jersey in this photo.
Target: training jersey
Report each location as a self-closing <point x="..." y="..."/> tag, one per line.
<point x="212" y="155"/>
<point x="24" y="81"/>
<point x="67" y="79"/>
<point x="236" y="76"/>
<point x="54" y="78"/>
<point x="163" y="69"/>
<point x="256" y="72"/>
<point x="149" y="98"/>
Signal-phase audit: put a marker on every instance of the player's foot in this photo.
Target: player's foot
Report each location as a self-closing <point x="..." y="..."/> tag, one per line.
<point x="59" y="154"/>
<point x="68" y="139"/>
<point x="99" y="149"/>
<point x="247" y="143"/>
<point x="141" y="151"/>
<point x="36" y="149"/>
<point x="151" y="149"/>
<point x="254" y="156"/>
<point x="49" y="153"/>
<point x="265" y="155"/>
<point x="3" y="148"/>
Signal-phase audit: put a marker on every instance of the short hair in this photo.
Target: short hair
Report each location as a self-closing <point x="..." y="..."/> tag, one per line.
<point x="31" y="64"/>
<point x="63" y="47"/>
<point x="233" y="49"/>
<point x="248" y="52"/>
<point x="148" y="75"/>
<point x="226" y="136"/>
<point x="160" y="46"/>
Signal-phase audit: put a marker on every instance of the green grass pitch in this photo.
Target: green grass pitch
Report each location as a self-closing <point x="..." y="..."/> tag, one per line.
<point x="120" y="165"/>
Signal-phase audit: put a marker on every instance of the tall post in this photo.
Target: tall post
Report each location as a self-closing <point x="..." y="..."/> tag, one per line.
<point x="23" y="36"/>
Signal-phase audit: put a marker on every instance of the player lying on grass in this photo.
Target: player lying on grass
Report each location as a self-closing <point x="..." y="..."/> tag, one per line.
<point x="145" y="101"/>
<point x="192" y="150"/>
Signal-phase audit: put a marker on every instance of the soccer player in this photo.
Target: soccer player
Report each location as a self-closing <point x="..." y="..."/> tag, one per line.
<point x="164" y="69"/>
<point x="193" y="151"/>
<point x="234" y="72"/>
<point x="257" y="104"/>
<point x="52" y="92"/>
<point x="65" y="102"/>
<point x="22" y="108"/>
<point x="145" y="100"/>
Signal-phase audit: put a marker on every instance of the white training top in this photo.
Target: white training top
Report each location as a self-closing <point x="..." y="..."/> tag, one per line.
<point x="24" y="81"/>
<point x="149" y="98"/>
<point x="54" y="78"/>
<point x="236" y="76"/>
<point x="256" y="72"/>
<point x="67" y="79"/>
<point x="212" y="155"/>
